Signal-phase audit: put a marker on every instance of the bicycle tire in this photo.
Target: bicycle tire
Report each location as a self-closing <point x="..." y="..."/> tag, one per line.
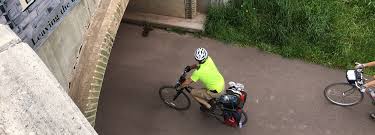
<point x="243" y="115"/>
<point x="350" y="88"/>
<point x="173" y="91"/>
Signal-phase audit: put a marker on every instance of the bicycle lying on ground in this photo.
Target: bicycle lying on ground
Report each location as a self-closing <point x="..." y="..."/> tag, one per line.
<point x="176" y="98"/>
<point x="348" y="94"/>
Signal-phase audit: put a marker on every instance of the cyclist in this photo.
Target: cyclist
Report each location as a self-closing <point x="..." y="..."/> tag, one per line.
<point x="369" y="84"/>
<point x="207" y="73"/>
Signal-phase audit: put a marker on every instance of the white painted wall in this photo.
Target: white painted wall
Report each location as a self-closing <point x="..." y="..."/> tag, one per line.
<point x="61" y="49"/>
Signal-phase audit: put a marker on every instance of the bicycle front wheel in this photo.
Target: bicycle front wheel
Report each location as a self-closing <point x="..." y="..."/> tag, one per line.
<point x="176" y="99"/>
<point x="343" y="94"/>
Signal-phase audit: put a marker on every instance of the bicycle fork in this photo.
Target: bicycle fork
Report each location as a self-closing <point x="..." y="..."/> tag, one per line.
<point x="178" y="94"/>
<point x="180" y="91"/>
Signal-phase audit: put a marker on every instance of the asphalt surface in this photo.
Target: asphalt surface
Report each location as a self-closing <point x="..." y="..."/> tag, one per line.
<point x="285" y="97"/>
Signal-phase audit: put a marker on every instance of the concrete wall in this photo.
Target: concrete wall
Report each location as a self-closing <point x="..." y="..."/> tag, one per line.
<point x="61" y="49"/>
<point x="31" y="99"/>
<point x="59" y="24"/>
<point x="174" y="8"/>
<point x="203" y="5"/>
<point x="78" y="49"/>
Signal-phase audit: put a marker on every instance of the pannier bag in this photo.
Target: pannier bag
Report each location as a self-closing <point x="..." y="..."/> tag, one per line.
<point x="351" y="76"/>
<point x="238" y="90"/>
<point x="232" y="118"/>
<point x="233" y="101"/>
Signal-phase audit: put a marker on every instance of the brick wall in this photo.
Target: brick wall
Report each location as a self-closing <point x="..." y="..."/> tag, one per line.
<point x="190" y="9"/>
<point x="89" y="74"/>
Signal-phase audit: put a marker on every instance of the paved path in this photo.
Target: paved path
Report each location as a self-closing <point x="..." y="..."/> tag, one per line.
<point x="285" y="97"/>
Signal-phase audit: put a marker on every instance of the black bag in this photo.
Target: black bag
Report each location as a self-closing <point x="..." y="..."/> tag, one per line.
<point x="235" y="102"/>
<point x="229" y="101"/>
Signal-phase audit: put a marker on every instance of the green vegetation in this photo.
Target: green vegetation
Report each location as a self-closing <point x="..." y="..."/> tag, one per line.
<point x="334" y="33"/>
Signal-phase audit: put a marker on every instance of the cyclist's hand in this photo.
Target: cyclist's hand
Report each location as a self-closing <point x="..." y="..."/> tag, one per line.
<point x="187" y="68"/>
<point x="359" y="66"/>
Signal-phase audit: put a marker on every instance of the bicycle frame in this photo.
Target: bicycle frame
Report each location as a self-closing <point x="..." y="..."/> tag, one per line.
<point x="361" y="81"/>
<point x="179" y="83"/>
<point x="180" y="91"/>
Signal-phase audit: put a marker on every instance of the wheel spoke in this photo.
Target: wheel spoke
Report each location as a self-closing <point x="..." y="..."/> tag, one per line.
<point x="350" y="90"/>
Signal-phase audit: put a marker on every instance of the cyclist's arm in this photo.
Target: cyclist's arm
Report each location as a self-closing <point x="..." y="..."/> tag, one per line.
<point x="370" y="64"/>
<point x="187" y="82"/>
<point x="194" y="66"/>
<point x="370" y="84"/>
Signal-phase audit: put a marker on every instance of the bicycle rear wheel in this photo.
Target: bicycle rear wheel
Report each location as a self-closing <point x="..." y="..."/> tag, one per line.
<point x="343" y="94"/>
<point x="243" y="118"/>
<point x="175" y="99"/>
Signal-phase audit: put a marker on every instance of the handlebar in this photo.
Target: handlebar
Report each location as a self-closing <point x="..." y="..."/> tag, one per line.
<point x="358" y="69"/>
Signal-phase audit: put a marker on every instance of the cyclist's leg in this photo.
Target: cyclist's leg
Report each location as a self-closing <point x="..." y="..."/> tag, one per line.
<point x="370" y="84"/>
<point x="367" y="85"/>
<point x="216" y="95"/>
<point x="213" y="95"/>
<point x="201" y="96"/>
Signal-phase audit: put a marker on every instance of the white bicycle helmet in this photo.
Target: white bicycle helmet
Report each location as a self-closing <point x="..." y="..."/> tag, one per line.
<point x="201" y="54"/>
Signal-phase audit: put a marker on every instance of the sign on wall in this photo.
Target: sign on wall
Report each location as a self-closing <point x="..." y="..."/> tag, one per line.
<point x="34" y="20"/>
<point x="26" y="3"/>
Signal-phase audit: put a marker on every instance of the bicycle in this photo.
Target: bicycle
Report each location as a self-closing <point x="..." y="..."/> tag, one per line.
<point x="350" y="94"/>
<point x="176" y="98"/>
